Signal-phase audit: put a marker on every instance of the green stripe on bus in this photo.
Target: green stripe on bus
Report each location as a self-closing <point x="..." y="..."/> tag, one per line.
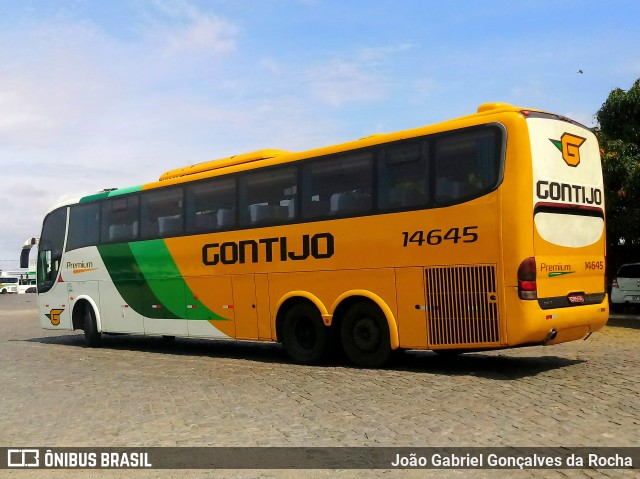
<point x="97" y="196"/>
<point x="128" y="279"/>
<point x="165" y="280"/>
<point x="124" y="191"/>
<point x="149" y="281"/>
<point x="108" y="194"/>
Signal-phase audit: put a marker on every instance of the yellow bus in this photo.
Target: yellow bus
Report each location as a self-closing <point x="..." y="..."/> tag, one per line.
<point x="478" y="233"/>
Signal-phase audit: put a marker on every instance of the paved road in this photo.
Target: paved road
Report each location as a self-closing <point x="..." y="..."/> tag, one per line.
<point x="138" y="391"/>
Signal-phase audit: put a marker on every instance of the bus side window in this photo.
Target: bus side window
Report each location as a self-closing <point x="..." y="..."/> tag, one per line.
<point x="337" y="186"/>
<point x="161" y="213"/>
<point x="120" y="219"/>
<point x="467" y="164"/>
<point x="403" y="180"/>
<point x="268" y="197"/>
<point x="211" y="205"/>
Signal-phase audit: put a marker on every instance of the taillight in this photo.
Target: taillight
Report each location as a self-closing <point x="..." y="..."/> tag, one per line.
<point x="614" y="284"/>
<point x="527" y="287"/>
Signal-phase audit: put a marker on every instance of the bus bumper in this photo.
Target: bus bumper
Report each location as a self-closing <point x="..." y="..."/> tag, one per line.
<point x="527" y="323"/>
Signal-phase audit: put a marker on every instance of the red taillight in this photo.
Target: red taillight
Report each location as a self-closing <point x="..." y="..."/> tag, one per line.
<point x="614" y="284"/>
<point x="527" y="287"/>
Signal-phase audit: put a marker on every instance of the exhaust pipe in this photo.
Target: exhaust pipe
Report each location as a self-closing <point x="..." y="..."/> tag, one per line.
<point x="551" y="335"/>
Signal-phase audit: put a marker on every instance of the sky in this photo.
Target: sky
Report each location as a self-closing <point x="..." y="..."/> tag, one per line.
<point x="109" y="94"/>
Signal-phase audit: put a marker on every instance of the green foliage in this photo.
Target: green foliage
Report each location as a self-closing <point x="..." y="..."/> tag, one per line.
<point x="619" y="138"/>
<point x="619" y="116"/>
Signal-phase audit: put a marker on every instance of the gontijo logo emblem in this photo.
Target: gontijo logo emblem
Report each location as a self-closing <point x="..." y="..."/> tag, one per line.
<point x="54" y="316"/>
<point x="569" y="145"/>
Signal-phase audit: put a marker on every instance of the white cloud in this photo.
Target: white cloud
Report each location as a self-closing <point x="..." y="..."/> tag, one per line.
<point x="339" y="82"/>
<point x="83" y="110"/>
<point x="271" y="66"/>
<point x="364" y="76"/>
<point x="382" y="53"/>
<point x="198" y="34"/>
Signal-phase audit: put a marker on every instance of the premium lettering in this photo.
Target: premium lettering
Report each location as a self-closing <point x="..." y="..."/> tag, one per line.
<point x="555" y="267"/>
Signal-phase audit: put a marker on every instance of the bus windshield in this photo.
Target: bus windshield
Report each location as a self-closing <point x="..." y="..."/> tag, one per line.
<point x="50" y="250"/>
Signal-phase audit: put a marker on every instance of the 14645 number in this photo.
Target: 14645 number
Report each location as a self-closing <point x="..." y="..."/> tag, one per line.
<point x="434" y="237"/>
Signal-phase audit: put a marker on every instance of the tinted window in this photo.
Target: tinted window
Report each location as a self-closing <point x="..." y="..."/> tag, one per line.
<point x="337" y="186"/>
<point x="161" y="213"/>
<point x="120" y="219"/>
<point x="403" y="180"/>
<point x="268" y="196"/>
<point x="211" y="205"/>
<point x="467" y="164"/>
<point x="629" y="271"/>
<point x="84" y="226"/>
<point x="50" y="249"/>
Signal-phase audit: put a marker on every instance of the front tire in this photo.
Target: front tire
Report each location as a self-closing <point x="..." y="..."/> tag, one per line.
<point x="91" y="334"/>
<point x="365" y="335"/>
<point x="304" y="335"/>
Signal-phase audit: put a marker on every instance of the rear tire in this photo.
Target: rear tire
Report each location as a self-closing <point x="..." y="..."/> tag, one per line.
<point x="91" y="334"/>
<point x="304" y="335"/>
<point x="365" y="335"/>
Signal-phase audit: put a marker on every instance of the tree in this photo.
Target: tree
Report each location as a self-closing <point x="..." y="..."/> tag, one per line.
<point x="619" y="137"/>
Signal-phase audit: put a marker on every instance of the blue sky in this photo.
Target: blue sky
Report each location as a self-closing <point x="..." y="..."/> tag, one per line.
<point x="97" y="94"/>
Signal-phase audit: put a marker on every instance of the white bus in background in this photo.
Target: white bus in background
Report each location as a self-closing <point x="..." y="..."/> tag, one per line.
<point x="27" y="282"/>
<point x="8" y="284"/>
<point x="21" y="282"/>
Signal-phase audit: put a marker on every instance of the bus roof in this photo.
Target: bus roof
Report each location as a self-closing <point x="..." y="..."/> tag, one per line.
<point x="267" y="154"/>
<point x="222" y="163"/>
<point x="267" y="157"/>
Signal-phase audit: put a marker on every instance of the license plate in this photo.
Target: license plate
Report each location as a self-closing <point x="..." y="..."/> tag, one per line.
<point x="576" y="298"/>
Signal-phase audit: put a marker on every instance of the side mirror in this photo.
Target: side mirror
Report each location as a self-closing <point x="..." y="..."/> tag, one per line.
<point x="26" y="249"/>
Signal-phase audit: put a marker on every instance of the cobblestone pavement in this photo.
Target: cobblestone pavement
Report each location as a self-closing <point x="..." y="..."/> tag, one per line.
<point x="137" y="391"/>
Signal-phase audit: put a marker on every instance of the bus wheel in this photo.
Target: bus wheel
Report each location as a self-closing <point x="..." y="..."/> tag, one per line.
<point x="365" y="335"/>
<point x="304" y="335"/>
<point x="91" y="333"/>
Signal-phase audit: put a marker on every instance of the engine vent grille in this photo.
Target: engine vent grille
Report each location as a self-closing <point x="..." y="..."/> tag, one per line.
<point x="463" y="306"/>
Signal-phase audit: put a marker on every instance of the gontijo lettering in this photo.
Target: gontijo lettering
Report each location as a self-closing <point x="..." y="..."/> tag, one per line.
<point x="318" y="246"/>
<point x="566" y="192"/>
